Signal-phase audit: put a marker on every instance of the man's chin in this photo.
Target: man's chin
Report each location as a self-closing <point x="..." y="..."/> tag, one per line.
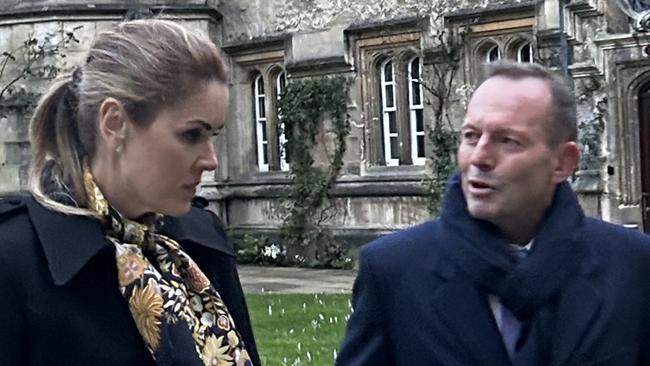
<point x="481" y="211"/>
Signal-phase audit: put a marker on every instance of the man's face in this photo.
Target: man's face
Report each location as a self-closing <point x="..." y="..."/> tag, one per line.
<point x="509" y="170"/>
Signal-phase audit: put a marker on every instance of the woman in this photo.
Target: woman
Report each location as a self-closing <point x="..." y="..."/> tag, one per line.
<point x="106" y="262"/>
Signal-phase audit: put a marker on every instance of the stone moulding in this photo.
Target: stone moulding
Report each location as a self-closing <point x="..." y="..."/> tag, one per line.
<point x="116" y="10"/>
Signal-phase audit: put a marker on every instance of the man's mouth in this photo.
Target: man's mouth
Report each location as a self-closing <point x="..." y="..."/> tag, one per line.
<point x="480" y="187"/>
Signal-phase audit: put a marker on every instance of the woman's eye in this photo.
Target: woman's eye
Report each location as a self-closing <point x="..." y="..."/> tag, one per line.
<point x="192" y="136"/>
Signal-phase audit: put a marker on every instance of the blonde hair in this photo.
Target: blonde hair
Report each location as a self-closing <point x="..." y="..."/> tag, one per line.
<point x="144" y="64"/>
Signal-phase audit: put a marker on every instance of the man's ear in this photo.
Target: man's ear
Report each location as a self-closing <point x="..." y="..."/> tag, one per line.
<point x="113" y="122"/>
<point x="568" y="156"/>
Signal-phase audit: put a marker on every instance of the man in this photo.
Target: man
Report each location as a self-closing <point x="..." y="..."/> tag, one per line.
<point x="512" y="273"/>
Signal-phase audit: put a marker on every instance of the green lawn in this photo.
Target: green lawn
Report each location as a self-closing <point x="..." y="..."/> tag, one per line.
<point x="298" y="329"/>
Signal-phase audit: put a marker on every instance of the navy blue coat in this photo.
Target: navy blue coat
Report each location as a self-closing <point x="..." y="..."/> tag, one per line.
<point x="60" y="302"/>
<point x="414" y="305"/>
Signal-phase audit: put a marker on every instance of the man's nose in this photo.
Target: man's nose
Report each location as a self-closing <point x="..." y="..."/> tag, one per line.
<point x="483" y="154"/>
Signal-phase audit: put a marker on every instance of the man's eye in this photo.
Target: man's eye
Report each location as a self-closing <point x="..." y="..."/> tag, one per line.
<point x="470" y="136"/>
<point x="508" y="141"/>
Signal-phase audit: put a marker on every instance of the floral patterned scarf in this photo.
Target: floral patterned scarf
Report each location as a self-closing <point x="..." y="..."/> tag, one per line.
<point x="180" y="316"/>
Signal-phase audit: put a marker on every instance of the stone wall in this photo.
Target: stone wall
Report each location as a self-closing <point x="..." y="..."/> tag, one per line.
<point x="312" y="38"/>
<point x="251" y="19"/>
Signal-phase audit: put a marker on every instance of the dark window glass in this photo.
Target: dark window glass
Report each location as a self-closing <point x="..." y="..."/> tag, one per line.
<point x="265" y="153"/>
<point x="392" y="122"/>
<point x="420" y="141"/>
<point x="263" y="128"/>
<point x="393" y="147"/>
<point x="524" y="53"/>
<point x="415" y="69"/>
<point x="493" y="54"/>
<point x="415" y="90"/>
<point x="389" y="96"/>
<point x="388" y="71"/>
<point x="419" y="120"/>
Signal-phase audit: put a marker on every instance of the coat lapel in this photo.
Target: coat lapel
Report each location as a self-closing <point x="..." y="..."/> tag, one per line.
<point x="470" y="322"/>
<point x="577" y="312"/>
<point x="68" y="241"/>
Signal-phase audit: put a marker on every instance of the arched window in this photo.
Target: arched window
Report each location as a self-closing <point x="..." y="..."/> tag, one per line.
<point x="260" y="124"/>
<point x="525" y="53"/>
<point x="493" y="54"/>
<point x="402" y="132"/>
<point x="280" y="87"/>
<point x="416" y="109"/>
<point x="389" y="113"/>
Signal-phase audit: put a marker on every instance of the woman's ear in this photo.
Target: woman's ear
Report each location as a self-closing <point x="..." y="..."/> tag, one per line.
<point x="113" y="122"/>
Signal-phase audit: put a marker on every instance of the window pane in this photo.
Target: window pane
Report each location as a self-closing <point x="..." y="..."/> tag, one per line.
<point x="263" y="128"/>
<point x="388" y="71"/>
<point x="524" y="53"/>
<point x="415" y="69"/>
<point x="419" y="120"/>
<point x="393" y="148"/>
<point x="265" y="153"/>
<point x="260" y="86"/>
<point x="493" y="54"/>
<point x="262" y="106"/>
<point x="389" y="96"/>
<point x="415" y="92"/>
<point x="392" y="122"/>
<point x="420" y="142"/>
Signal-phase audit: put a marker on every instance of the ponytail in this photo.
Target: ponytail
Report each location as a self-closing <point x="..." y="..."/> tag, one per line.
<point x="55" y="141"/>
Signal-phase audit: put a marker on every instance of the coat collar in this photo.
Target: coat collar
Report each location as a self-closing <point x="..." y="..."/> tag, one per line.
<point x="464" y="307"/>
<point x="481" y="251"/>
<point x="70" y="242"/>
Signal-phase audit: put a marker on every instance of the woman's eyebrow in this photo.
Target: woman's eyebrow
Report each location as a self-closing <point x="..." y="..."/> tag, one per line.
<point x="202" y="123"/>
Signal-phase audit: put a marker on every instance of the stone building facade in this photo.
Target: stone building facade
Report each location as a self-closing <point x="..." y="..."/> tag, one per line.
<point x="384" y="48"/>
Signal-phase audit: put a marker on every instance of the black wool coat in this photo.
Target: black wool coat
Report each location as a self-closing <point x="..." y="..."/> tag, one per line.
<point x="421" y="299"/>
<point x="60" y="302"/>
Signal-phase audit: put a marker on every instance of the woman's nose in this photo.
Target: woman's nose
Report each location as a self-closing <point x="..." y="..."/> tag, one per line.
<point x="210" y="162"/>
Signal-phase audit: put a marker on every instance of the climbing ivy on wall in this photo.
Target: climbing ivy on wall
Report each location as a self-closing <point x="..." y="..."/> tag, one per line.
<point x="444" y="142"/>
<point x="33" y="60"/>
<point x="305" y="107"/>
<point x="442" y="135"/>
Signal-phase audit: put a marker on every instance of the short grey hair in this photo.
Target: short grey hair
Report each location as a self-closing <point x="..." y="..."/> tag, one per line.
<point x="563" y="119"/>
